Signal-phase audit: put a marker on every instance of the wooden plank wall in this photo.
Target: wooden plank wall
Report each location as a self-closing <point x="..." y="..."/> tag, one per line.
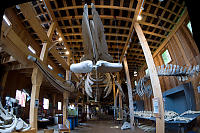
<point x="16" y="80"/>
<point x="183" y="51"/>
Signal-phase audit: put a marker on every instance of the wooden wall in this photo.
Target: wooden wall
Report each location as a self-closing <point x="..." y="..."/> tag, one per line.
<point x="183" y="51"/>
<point x="18" y="81"/>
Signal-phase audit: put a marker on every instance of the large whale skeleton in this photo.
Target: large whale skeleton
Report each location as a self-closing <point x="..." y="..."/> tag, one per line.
<point x="96" y="62"/>
<point x="96" y="55"/>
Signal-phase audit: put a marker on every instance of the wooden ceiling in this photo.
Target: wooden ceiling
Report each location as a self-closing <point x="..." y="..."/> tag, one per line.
<point x="158" y="20"/>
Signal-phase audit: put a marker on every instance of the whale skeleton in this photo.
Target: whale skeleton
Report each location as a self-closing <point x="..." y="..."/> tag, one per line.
<point x="182" y="73"/>
<point x="96" y="60"/>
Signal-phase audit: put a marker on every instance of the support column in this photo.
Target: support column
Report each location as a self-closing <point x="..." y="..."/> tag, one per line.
<point x="65" y="106"/>
<point x="120" y="99"/>
<point x="37" y="78"/>
<point x="66" y="95"/>
<point x="130" y="95"/>
<point x="36" y="83"/>
<point x="54" y="104"/>
<point x="114" y="98"/>
<point x="3" y="83"/>
<point x="160" y="125"/>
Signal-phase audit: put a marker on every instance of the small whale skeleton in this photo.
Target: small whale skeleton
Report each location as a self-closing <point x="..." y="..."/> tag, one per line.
<point x="8" y="121"/>
<point x="182" y="73"/>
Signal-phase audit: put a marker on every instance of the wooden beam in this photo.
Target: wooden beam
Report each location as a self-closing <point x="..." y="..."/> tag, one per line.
<point x="137" y="11"/>
<point x="130" y="95"/>
<point x="107" y="34"/>
<point x="51" y="30"/>
<point x="160" y="125"/>
<point x="29" y="13"/>
<point x="90" y="17"/>
<point x="96" y="6"/>
<point x="173" y="31"/>
<point x="46" y="2"/>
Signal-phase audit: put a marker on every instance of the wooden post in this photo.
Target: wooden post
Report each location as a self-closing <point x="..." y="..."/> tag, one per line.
<point x="36" y="83"/>
<point x="37" y="78"/>
<point x="65" y="105"/>
<point x="120" y="99"/>
<point x="66" y="96"/>
<point x="3" y="83"/>
<point x="160" y="125"/>
<point x="114" y="93"/>
<point x="130" y="95"/>
<point x="54" y="104"/>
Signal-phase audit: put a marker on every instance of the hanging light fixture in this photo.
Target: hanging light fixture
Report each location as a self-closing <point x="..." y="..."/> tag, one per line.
<point x="139" y="18"/>
<point x="60" y="39"/>
<point x="67" y="52"/>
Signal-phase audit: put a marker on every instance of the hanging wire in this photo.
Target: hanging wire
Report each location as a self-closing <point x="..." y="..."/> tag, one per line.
<point x="73" y="19"/>
<point x="117" y="37"/>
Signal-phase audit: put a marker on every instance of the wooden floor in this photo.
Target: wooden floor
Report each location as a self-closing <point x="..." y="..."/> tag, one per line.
<point x="95" y="126"/>
<point x="103" y="127"/>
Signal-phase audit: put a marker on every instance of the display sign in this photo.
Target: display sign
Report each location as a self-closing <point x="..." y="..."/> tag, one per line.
<point x="156" y="107"/>
<point x="36" y="103"/>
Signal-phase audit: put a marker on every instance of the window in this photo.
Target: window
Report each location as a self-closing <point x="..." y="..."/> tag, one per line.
<point x="6" y="20"/>
<point x="50" y="67"/>
<point x="189" y="26"/>
<point x="21" y="97"/>
<point x="59" y="106"/>
<point x="135" y="82"/>
<point x="45" y="103"/>
<point x="135" y="73"/>
<point x="147" y="71"/>
<point x="31" y="49"/>
<point x="166" y="57"/>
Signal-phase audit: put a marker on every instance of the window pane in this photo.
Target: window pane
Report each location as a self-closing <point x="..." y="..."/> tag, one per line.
<point x="45" y="103"/>
<point x="166" y="57"/>
<point x="59" y="105"/>
<point x="147" y="71"/>
<point x="189" y="26"/>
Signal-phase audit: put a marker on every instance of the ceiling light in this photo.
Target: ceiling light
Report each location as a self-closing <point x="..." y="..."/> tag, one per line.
<point x="65" y="48"/>
<point x="139" y="18"/>
<point x="67" y="52"/>
<point x="60" y="39"/>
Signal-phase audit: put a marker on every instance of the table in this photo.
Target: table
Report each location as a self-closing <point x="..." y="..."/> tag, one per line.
<point x="181" y="123"/>
<point x="42" y="123"/>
